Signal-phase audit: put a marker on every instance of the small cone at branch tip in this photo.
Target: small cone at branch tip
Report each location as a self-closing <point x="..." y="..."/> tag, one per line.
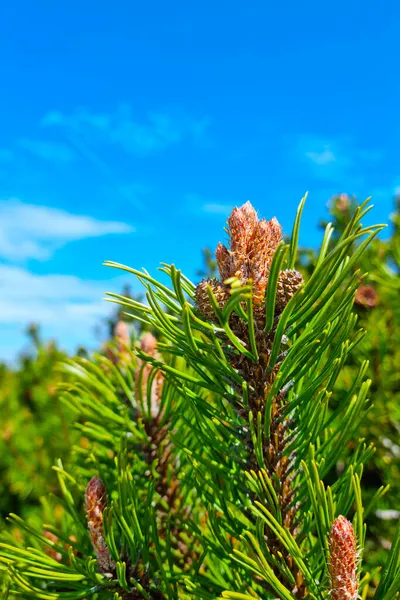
<point x="249" y="212"/>
<point x="288" y="283"/>
<point x="220" y="291"/>
<point x="266" y="237"/>
<point x="95" y="505"/>
<point x="342" y="202"/>
<point x="241" y="223"/>
<point x="224" y="261"/>
<point x="119" y="352"/>
<point x="50" y="551"/>
<point x="252" y="245"/>
<point x="366" y="296"/>
<point x="121" y="332"/>
<point x="148" y="344"/>
<point x="343" y="561"/>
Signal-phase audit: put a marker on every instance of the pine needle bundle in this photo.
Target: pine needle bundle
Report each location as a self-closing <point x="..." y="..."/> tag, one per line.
<point x="211" y="465"/>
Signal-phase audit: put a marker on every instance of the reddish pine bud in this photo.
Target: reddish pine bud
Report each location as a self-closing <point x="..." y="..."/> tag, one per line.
<point x="148" y="344"/>
<point x="241" y="226"/>
<point x="252" y="245"/>
<point x="343" y="560"/>
<point x="50" y="551"/>
<point x="366" y="296"/>
<point x="224" y="260"/>
<point x="262" y="247"/>
<point x="95" y="504"/>
<point x="342" y="203"/>
<point x="121" y="333"/>
<point x="117" y="351"/>
<point x="122" y="342"/>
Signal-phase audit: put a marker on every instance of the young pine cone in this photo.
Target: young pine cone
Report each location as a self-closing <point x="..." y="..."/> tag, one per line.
<point x="366" y="296"/>
<point x="148" y="344"/>
<point x="288" y="283"/>
<point x="343" y="561"/>
<point x="95" y="504"/>
<point x="252" y="245"/>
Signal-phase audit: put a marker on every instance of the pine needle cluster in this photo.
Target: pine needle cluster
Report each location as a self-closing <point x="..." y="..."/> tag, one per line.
<point x="211" y="469"/>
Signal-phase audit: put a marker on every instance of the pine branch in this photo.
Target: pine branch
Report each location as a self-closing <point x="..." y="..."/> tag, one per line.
<point x="219" y="446"/>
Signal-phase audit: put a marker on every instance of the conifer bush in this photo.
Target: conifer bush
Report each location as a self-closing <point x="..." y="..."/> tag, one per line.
<point x="35" y="425"/>
<point x="211" y="469"/>
<point x="36" y="428"/>
<point x="378" y="310"/>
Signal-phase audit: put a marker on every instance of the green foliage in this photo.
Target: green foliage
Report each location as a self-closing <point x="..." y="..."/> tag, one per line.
<point x="228" y="450"/>
<point x="378" y="309"/>
<point x="35" y="427"/>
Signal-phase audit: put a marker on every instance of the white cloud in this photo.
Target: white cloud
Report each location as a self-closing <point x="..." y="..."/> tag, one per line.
<point x="64" y="301"/>
<point x="63" y="315"/>
<point x="48" y="150"/>
<point x="335" y="159"/>
<point x="203" y="206"/>
<point x="141" y="136"/>
<point x="66" y="308"/>
<point x="217" y="209"/>
<point x="327" y="159"/>
<point x="30" y="231"/>
<point x="324" y="157"/>
<point x="16" y="282"/>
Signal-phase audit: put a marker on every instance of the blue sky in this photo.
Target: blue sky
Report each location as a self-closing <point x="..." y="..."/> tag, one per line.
<point x="130" y="129"/>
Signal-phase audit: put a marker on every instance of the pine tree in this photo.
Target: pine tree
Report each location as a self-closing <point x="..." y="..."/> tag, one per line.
<point x="211" y="469"/>
<point x="378" y="311"/>
<point x="31" y="412"/>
